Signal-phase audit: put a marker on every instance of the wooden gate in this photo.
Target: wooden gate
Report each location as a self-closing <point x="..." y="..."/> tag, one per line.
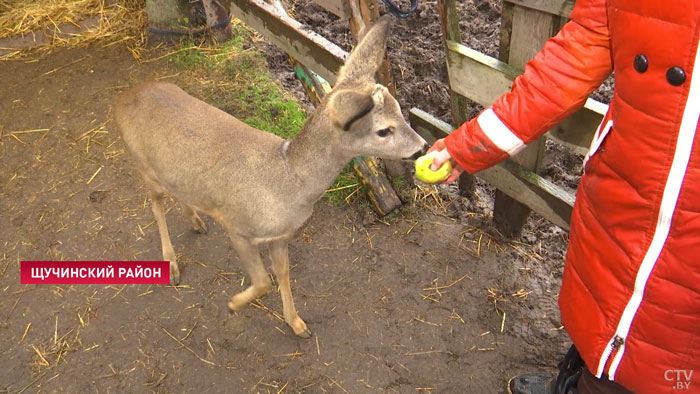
<point x="525" y="26"/>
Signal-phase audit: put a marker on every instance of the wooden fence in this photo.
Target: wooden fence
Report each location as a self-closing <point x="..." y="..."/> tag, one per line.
<point x="525" y="26"/>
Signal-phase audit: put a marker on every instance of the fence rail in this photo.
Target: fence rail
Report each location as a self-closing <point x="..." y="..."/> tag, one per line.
<point x="306" y="46"/>
<point x="483" y="79"/>
<point x="537" y="193"/>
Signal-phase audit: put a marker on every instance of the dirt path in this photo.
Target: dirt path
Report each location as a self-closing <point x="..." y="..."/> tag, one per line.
<point x="401" y="305"/>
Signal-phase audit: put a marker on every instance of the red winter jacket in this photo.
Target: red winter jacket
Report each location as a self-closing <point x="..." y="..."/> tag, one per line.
<point x="630" y="297"/>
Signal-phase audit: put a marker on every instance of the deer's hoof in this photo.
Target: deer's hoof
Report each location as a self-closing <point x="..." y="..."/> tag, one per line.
<point x="235" y="306"/>
<point x="306" y="333"/>
<point x="174" y="275"/>
<point x="300" y="328"/>
<point x="201" y="227"/>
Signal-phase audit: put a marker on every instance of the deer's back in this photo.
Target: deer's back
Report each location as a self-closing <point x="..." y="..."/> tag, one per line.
<point x="200" y="154"/>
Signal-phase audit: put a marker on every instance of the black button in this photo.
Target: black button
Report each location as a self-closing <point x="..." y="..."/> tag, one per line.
<point x="641" y="63"/>
<point x="675" y="76"/>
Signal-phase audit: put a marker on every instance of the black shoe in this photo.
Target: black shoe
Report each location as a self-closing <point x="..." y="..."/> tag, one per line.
<point x="531" y="383"/>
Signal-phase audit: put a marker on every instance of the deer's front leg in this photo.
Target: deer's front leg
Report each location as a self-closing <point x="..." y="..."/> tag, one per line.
<point x="249" y="257"/>
<point x="280" y="265"/>
<point x="168" y="252"/>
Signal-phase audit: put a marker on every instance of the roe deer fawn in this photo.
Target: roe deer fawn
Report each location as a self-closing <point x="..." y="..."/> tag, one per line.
<point x="260" y="187"/>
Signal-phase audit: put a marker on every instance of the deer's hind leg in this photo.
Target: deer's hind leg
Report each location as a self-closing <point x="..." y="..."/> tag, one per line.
<point x="191" y="214"/>
<point x="168" y="252"/>
<point x="249" y="256"/>
<point x="280" y="265"/>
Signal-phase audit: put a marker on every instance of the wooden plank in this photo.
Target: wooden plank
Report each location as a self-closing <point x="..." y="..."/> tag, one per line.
<point x="484" y="79"/>
<point x="554" y="7"/>
<point x="542" y="196"/>
<point x="576" y="131"/>
<point x="506" y="30"/>
<point x="368" y="13"/>
<point x="308" y="47"/>
<point x="337" y="7"/>
<point x="449" y="22"/>
<point x="530" y="29"/>
<point x="477" y="76"/>
<point x="428" y="126"/>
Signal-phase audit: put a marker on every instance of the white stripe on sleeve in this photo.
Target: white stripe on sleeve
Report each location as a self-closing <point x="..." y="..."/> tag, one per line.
<point x="499" y="133"/>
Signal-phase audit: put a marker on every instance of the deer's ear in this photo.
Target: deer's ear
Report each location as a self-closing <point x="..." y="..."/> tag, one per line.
<point x="348" y="106"/>
<point x="365" y="59"/>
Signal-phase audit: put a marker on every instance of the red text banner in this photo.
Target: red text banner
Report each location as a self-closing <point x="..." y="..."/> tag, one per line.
<point x="94" y="272"/>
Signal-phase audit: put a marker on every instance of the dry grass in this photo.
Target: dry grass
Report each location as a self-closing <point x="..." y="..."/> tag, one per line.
<point x="21" y="17"/>
<point x="117" y="21"/>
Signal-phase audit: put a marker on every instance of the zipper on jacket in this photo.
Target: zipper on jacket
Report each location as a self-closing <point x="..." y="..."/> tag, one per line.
<point x="613" y="346"/>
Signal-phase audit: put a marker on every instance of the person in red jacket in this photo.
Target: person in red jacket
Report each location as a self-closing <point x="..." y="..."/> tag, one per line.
<point x="630" y="295"/>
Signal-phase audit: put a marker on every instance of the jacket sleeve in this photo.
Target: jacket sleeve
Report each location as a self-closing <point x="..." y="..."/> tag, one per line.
<point x="555" y="83"/>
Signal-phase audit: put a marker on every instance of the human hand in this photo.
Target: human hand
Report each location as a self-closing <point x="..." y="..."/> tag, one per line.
<point x="441" y="157"/>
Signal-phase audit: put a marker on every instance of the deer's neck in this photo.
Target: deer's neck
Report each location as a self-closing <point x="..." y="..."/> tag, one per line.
<point x="314" y="157"/>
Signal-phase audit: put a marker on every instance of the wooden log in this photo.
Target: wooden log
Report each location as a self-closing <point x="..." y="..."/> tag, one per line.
<point x="369" y="12"/>
<point x="308" y="47"/>
<point x="449" y="23"/>
<point x="548" y="200"/>
<point x="370" y="172"/>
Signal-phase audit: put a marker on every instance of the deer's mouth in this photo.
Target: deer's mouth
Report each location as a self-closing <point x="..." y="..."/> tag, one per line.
<point x="418" y="153"/>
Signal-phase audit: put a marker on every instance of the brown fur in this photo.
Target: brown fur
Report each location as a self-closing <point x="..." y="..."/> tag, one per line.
<point x="259" y="187"/>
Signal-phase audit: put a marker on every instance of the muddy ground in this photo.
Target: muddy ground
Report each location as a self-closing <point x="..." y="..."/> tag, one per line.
<point x="429" y="300"/>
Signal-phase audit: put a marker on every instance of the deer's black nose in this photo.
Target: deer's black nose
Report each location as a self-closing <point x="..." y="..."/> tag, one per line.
<point x="420" y="152"/>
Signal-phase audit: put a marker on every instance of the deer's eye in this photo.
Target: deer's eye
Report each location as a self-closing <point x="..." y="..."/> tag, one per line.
<point x="384" y="132"/>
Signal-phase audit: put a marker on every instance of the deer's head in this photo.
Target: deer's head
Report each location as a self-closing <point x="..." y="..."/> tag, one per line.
<point x="367" y="117"/>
